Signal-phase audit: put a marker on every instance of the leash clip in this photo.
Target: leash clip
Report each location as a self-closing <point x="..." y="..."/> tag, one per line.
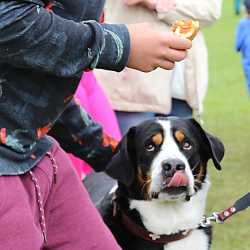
<point x="219" y="218"/>
<point x="207" y="221"/>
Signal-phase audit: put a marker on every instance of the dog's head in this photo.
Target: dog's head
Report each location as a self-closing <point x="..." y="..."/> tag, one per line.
<point x="164" y="159"/>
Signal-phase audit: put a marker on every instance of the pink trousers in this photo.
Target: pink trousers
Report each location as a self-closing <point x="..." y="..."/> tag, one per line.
<point x="48" y="208"/>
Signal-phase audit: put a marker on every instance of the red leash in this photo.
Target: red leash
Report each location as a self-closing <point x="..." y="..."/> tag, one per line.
<point x="240" y="205"/>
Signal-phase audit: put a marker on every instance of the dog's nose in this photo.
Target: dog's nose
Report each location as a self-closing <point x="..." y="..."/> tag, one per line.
<point x="173" y="165"/>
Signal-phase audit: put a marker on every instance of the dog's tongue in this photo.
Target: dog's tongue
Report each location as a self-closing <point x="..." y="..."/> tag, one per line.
<point x="178" y="180"/>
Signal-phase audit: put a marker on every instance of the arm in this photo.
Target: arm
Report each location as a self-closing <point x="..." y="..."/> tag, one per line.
<point x="32" y="37"/>
<point x="79" y="135"/>
<point x="206" y="12"/>
<point x="79" y="10"/>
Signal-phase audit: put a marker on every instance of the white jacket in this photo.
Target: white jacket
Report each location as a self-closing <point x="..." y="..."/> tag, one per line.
<point x="136" y="91"/>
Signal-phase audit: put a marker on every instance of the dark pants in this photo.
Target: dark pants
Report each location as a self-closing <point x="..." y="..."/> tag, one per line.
<point x="181" y="109"/>
<point x="128" y="119"/>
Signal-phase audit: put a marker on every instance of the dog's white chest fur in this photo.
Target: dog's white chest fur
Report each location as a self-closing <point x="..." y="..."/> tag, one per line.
<point x="164" y="217"/>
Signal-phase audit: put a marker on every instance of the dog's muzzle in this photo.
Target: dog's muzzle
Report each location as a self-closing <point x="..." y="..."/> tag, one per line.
<point x="174" y="178"/>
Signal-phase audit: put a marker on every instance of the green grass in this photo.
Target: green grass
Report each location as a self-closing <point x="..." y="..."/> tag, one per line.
<point x="227" y="115"/>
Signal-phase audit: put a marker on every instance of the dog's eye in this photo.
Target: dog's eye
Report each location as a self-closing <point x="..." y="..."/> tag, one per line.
<point x="187" y="146"/>
<point x="150" y="147"/>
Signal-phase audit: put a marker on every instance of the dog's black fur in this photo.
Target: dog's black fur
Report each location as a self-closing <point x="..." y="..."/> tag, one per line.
<point x="133" y="164"/>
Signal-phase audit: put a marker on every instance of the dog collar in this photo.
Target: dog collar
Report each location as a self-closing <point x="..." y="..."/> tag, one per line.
<point x="143" y="233"/>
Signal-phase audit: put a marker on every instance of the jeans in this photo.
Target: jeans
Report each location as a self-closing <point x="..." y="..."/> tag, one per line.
<point x="129" y="119"/>
<point x="126" y="120"/>
<point x="180" y="109"/>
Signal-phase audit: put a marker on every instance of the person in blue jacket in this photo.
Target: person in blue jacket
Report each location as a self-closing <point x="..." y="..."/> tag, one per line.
<point x="243" y="43"/>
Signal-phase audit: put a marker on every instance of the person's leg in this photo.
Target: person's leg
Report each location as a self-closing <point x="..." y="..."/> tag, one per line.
<point x="19" y="228"/>
<point x="248" y="87"/>
<point x="180" y="109"/>
<point x="246" y="67"/>
<point x="72" y="220"/>
<point x="129" y="119"/>
<point x="248" y="84"/>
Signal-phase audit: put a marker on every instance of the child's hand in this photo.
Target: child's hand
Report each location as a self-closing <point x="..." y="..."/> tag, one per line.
<point x="151" y="49"/>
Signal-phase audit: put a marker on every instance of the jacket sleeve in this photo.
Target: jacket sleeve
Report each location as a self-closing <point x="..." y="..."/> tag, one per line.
<point x="78" y="10"/>
<point x="240" y="36"/>
<point x="206" y="12"/>
<point x="32" y="37"/>
<point x="79" y="135"/>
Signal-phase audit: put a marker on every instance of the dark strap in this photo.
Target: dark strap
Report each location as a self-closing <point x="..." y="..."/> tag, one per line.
<point x="239" y="205"/>
<point x="142" y="232"/>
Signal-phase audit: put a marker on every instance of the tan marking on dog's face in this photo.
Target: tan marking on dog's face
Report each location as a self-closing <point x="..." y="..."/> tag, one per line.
<point x="144" y="182"/>
<point x="157" y="139"/>
<point x="201" y="174"/>
<point x="179" y="135"/>
<point x="143" y="177"/>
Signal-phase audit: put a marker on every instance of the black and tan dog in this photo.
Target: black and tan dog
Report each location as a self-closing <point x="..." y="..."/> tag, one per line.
<point x="161" y="168"/>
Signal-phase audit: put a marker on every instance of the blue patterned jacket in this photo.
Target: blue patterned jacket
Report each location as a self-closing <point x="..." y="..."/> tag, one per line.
<point x="42" y="56"/>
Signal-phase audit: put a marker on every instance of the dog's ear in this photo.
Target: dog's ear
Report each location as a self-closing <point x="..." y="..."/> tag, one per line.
<point x="216" y="148"/>
<point x="121" y="166"/>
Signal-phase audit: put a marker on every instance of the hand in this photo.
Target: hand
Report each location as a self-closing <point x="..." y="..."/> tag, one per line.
<point x="150" y="4"/>
<point x="151" y="49"/>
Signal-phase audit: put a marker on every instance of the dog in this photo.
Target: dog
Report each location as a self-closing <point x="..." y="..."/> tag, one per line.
<point x="162" y="184"/>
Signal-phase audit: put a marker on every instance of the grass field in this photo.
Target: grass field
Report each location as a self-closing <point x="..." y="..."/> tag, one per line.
<point x="227" y="114"/>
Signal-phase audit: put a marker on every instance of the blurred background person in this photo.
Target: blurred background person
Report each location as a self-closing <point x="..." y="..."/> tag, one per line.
<point x="136" y="96"/>
<point x="243" y="43"/>
<point x="237" y="6"/>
